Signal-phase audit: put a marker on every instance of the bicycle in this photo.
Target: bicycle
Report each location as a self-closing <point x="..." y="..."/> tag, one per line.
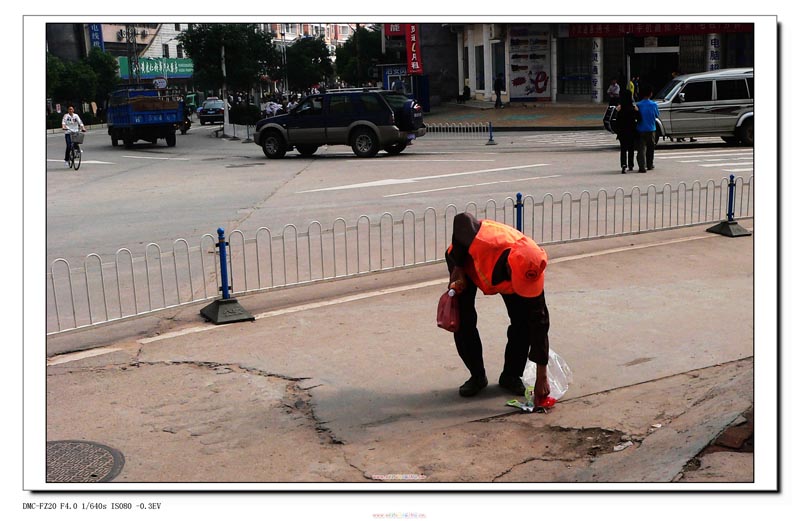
<point x="76" y="138"/>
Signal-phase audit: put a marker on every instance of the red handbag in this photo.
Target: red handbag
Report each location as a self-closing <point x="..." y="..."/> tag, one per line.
<point x="447" y="312"/>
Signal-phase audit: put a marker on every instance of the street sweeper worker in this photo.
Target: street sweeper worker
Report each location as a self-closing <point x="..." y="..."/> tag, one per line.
<point x="497" y="258"/>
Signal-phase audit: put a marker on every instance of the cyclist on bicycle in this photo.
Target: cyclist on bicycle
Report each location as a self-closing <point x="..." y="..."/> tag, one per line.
<point x="71" y="122"/>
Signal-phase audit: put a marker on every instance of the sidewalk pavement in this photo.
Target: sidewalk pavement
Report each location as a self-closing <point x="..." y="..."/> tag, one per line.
<point x="351" y="382"/>
<point x="522" y="116"/>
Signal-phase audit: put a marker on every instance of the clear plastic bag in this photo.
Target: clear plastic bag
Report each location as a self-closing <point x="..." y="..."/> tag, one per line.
<point x="559" y="375"/>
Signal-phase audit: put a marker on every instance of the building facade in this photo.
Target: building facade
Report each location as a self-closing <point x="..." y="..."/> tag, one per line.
<point x="576" y="62"/>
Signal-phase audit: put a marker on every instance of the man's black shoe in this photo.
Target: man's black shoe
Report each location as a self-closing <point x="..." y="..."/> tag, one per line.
<point x="473" y="386"/>
<point x="513" y="384"/>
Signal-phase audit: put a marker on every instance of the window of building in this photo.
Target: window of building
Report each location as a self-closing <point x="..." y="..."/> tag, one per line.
<point x="165" y="50"/>
<point x="179" y="51"/>
<point x="480" y="81"/>
<point x="574" y="67"/>
<point x="177" y="27"/>
<point x="731" y="89"/>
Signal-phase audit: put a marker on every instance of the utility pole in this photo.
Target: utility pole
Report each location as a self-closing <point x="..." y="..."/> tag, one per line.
<point x="358" y="57"/>
<point x="224" y="93"/>
<point x="133" y="55"/>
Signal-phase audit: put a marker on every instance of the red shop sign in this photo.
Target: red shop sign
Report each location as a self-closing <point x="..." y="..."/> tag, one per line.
<point x="413" y="51"/>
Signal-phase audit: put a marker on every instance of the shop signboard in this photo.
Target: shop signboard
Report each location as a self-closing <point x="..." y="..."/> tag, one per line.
<point x="413" y="50"/>
<point x="151" y="68"/>
<point x="529" y="62"/>
<point x="96" y="36"/>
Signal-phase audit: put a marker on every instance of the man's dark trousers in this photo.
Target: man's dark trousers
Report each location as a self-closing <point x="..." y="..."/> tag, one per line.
<point x="524" y="314"/>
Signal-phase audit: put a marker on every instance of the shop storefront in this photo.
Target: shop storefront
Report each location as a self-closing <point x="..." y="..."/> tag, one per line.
<point x="576" y="62"/>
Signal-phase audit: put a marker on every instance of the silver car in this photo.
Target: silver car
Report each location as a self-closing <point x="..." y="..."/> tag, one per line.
<point x="718" y="103"/>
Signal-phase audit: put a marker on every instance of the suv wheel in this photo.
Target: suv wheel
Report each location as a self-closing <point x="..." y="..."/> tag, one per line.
<point x="746" y="134"/>
<point x="306" y="150"/>
<point x="365" y="142"/>
<point x="273" y="146"/>
<point x="395" y="148"/>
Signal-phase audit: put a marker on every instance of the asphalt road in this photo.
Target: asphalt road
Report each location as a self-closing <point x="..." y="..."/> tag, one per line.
<point x="127" y="198"/>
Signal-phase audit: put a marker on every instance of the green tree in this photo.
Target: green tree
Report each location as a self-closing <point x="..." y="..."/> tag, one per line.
<point x="106" y="69"/>
<point x="249" y="53"/>
<point x="55" y="73"/>
<point x="308" y="62"/>
<point x="72" y="81"/>
<point x="358" y="55"/>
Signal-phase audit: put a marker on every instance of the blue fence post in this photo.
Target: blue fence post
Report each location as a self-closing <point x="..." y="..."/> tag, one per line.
<point x="223" y="263"/>
<point x="731" y="196"/>
<point x="730" y="228"/>
<point x="226" y="309"/>
<point x="491" y="135"/>
<point x="519" y="206"/>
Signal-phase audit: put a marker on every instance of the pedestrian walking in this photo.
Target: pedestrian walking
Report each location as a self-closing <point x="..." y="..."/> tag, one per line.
<point x="499" y="85"/>
<point x="646" y="128"/>
<point x="613" y="93"/>
<point x="627" y="119"/>
<point x="497" y="258"/>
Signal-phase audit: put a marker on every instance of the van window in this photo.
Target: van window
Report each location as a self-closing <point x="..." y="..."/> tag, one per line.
<point x="750" y="86"/>
<point x="340" y="104"/>
<point x="731" y="89"/>
<point x="697" y="91"/>
<point x="371" y="103"/>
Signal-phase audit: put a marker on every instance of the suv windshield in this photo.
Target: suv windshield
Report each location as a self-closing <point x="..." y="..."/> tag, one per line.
<point x="669" y="90"/>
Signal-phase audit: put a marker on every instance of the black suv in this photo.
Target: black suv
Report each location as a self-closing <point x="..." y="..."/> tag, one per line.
<point x="367" y="120"/>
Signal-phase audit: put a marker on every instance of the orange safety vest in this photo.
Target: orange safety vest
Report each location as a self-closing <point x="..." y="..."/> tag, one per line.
<point x="492" y="240"/>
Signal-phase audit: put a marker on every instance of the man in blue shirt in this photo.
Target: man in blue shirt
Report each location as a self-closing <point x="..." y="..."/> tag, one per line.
<point x="646" y="142"/>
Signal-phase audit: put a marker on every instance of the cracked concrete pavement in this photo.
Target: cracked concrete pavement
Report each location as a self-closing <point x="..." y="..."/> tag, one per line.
<point x="363" y="390"/>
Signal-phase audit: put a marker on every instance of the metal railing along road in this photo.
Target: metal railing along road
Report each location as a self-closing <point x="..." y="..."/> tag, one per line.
<point x="459" y="131"/>
<point x="107" y="290"/>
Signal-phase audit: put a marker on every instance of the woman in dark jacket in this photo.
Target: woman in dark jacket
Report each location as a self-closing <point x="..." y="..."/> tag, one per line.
<point x="627" y="118"/>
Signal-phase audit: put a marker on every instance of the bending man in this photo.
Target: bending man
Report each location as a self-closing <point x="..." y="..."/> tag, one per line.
<point x="499" y="259"/>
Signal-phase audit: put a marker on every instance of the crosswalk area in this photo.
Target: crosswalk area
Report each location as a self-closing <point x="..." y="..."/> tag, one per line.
<point x="599" y="139"/>
<point x="731" y="161"/>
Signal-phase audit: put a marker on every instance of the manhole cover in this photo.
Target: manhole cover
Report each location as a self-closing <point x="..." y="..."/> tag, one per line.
<point x="82" y="462"/>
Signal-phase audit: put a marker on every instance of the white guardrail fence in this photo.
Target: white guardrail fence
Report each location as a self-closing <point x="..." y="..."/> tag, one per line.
<point x="105" y="290"/>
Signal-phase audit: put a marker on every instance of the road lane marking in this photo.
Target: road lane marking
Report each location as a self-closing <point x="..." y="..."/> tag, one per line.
<point x="84" y="162"/>
<point x="388" y="182"/>
<point x="687" y="155"/>
<point x="726" y="164"/>
<point x="161" y="158"/>
<point x="384" y="160"/>
<point x="737" y="169"/>
<point x="80" y="355"/>
<point x="409" y="287"/>
<point x="471" y="186"/>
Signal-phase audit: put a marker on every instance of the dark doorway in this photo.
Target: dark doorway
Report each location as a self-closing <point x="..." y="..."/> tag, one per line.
<point x="654" y="68"/>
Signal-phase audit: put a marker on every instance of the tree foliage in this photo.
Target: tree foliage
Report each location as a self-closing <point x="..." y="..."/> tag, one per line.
<point x="308" y="62"/>
<point x="358" y="55"/>
<point x="249" y="54"/>
<point x="89" y="79"/>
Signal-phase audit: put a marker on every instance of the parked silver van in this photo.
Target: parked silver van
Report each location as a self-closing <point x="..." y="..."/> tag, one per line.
<point x="717" y="103"/>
